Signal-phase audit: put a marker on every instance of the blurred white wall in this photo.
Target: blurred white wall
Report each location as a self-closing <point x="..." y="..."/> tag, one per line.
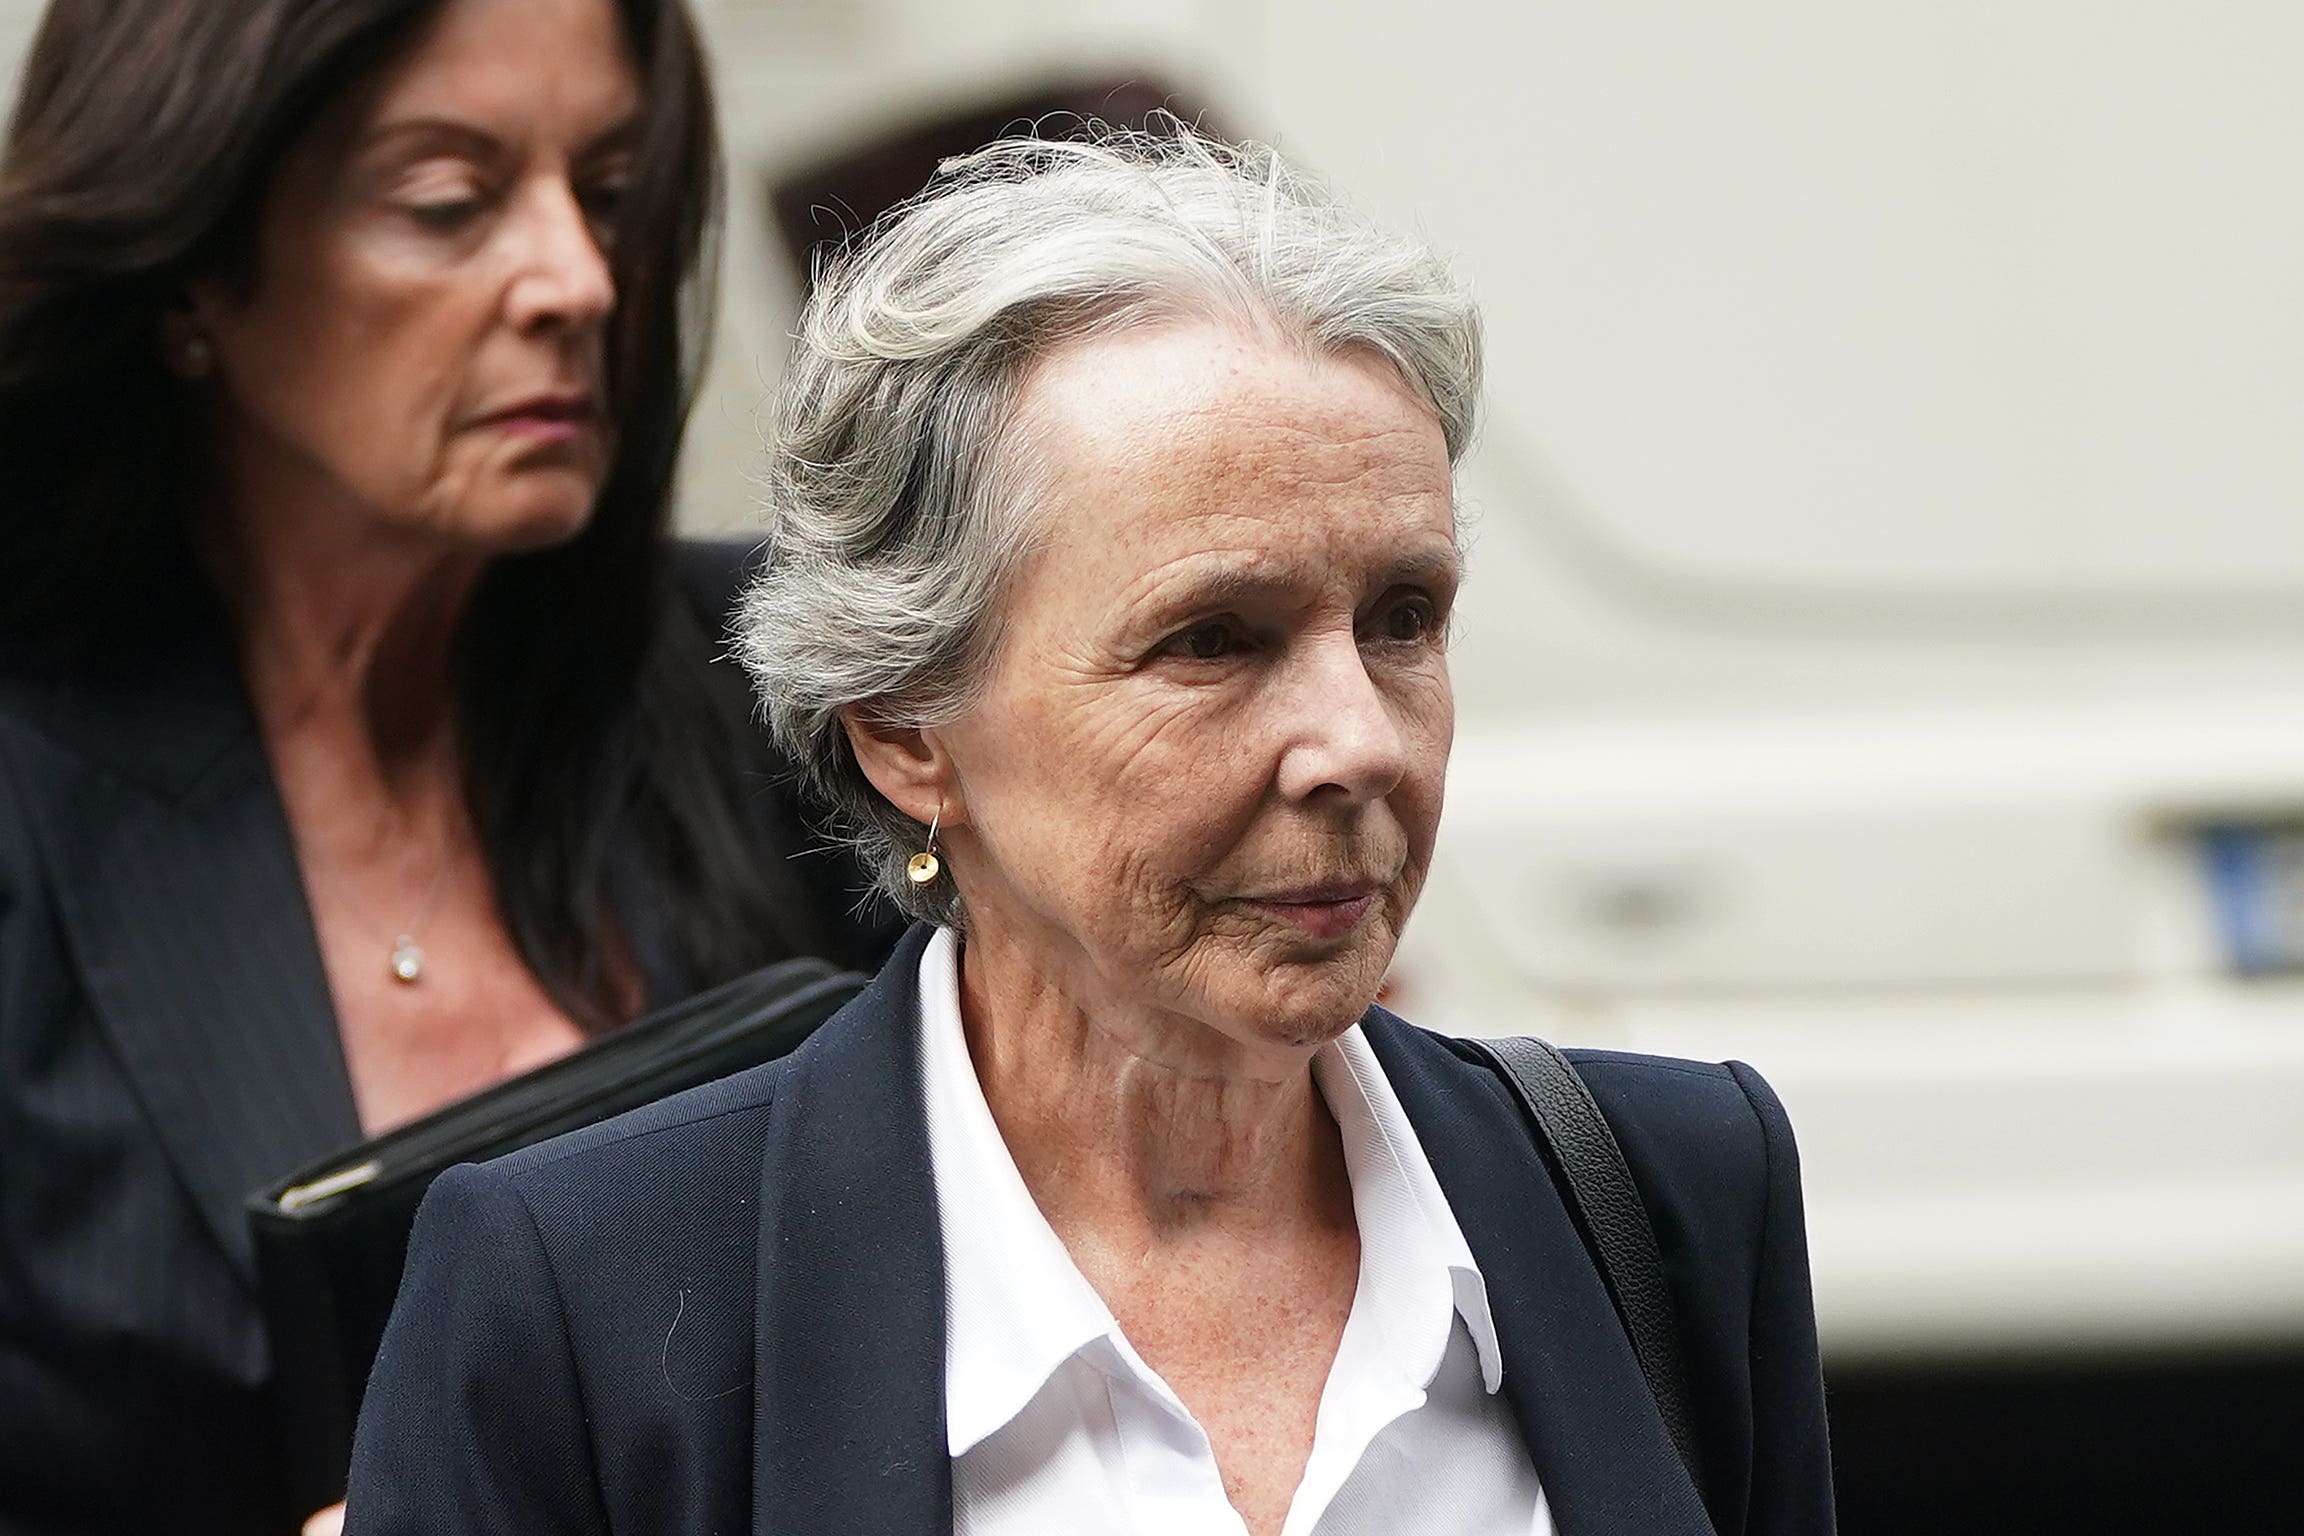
<point x="1851" y="352"/>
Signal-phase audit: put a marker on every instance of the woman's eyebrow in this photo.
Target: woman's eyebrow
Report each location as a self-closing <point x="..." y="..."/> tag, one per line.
<point x="1442" y="563"/>
<point x="444" y="132"/>
<point x="1216" y="581"/>
<point x="621" y="135"/>
<point x="463" y="136"/>
<point x="1212" y="582"/>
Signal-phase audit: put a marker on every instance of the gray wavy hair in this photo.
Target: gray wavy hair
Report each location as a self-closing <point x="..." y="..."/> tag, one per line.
<point x="900" y="494"/>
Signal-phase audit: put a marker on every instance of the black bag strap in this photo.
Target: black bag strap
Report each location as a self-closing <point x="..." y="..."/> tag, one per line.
<point x="1585" y="1159"/>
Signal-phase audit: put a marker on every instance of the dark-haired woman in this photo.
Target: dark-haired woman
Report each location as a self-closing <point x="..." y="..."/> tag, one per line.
<point x="361" y="739"/>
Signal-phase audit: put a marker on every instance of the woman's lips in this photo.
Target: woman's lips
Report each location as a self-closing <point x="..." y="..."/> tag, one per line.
<point x="546" y="419"/>
<point x="1327" y="913"/>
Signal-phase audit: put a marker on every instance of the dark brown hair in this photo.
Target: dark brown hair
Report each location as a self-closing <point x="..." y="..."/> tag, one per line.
<point x="145" y="138"/>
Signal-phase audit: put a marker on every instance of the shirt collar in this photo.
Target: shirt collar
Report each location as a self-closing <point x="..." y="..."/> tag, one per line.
<point x="1017" y="1307"/>
<point x="1417" y="1273"/>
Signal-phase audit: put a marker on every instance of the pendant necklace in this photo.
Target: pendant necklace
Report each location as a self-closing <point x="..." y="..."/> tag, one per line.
<point x="407" y="958"/>
<point x="406" y="961"/>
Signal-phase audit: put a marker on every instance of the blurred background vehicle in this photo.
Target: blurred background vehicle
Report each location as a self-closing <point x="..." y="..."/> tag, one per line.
<point x="1885" y="655"/>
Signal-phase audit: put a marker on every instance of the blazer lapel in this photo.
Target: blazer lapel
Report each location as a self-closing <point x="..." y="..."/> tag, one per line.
<point x="848" y="1431"/>
<point x="177" y="884"/>
<point x="1600" y="1448"/>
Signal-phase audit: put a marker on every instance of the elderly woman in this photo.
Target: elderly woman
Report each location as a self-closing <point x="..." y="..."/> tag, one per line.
<point x="1107" y="601"/>
<point x="361" y="736"/>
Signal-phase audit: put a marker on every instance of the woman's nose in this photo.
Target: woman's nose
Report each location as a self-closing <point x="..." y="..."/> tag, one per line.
<point x="1346" y="737"/>
<point x="564" y="278"/>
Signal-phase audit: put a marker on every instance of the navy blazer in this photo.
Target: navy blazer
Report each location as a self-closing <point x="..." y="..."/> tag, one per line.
<point x="167" y="1046"/>
<point x="726" y="1312"/>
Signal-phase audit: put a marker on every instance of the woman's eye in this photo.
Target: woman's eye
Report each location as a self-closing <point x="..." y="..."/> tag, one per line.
<point x="1209" y="641"/>
<point x="447" y="213"/>
<point x="605" y="201"/>
<point x="603" y="205"/>
<point x="1414" y="619"/>
<point x="443" y="197"/>
<point x="441" y="192"/>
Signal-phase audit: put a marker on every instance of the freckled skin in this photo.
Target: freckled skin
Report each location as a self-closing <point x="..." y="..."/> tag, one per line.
<point x="1188" y="817"/>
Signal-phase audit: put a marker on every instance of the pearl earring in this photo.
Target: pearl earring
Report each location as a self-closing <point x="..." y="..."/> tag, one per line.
<point x="924" y="865"/>
<point x="197" y="356"/>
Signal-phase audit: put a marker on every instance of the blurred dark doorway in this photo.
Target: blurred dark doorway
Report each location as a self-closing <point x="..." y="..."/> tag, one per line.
<point x="825" y="203"/>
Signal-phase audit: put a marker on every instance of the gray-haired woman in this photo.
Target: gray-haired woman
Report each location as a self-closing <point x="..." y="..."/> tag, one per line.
<point x="1106" y="603"/>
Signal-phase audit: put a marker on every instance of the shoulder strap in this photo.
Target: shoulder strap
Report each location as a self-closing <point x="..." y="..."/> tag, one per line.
<point x="1589" y="1165"/>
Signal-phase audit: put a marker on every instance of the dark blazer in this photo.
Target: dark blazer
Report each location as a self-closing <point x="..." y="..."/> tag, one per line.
<point x="167" y="1045"/>
<point x="726" y="1312"/>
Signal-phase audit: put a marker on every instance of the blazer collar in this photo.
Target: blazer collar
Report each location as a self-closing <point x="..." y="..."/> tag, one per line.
<point x="176" y="882"/>
<point x="849" y="1338"/>
<point x="1606" y="1462"/>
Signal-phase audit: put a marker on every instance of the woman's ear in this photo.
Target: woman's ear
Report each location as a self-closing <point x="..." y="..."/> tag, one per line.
<point x="908" y="765"/>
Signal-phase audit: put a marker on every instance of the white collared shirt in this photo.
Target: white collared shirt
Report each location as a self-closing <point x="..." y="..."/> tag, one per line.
<point x="1056" y="1425"/>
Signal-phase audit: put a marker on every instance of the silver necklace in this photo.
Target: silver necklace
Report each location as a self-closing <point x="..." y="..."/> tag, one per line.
<point x="406" y="961"/>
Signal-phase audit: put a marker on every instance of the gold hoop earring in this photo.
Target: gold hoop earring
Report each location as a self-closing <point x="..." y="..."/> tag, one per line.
<point x="924" y="865"/>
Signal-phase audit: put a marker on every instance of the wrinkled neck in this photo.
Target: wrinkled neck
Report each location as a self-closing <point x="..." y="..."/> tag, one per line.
<point x="1120" y="1116"/>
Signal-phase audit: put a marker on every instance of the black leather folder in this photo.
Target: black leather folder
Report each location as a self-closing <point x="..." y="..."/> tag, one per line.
<point x="331" y="1238"/>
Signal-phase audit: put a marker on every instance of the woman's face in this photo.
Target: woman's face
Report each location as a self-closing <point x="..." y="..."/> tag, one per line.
<point x="1205" y="774"/>
<point x="422" y="346"/>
